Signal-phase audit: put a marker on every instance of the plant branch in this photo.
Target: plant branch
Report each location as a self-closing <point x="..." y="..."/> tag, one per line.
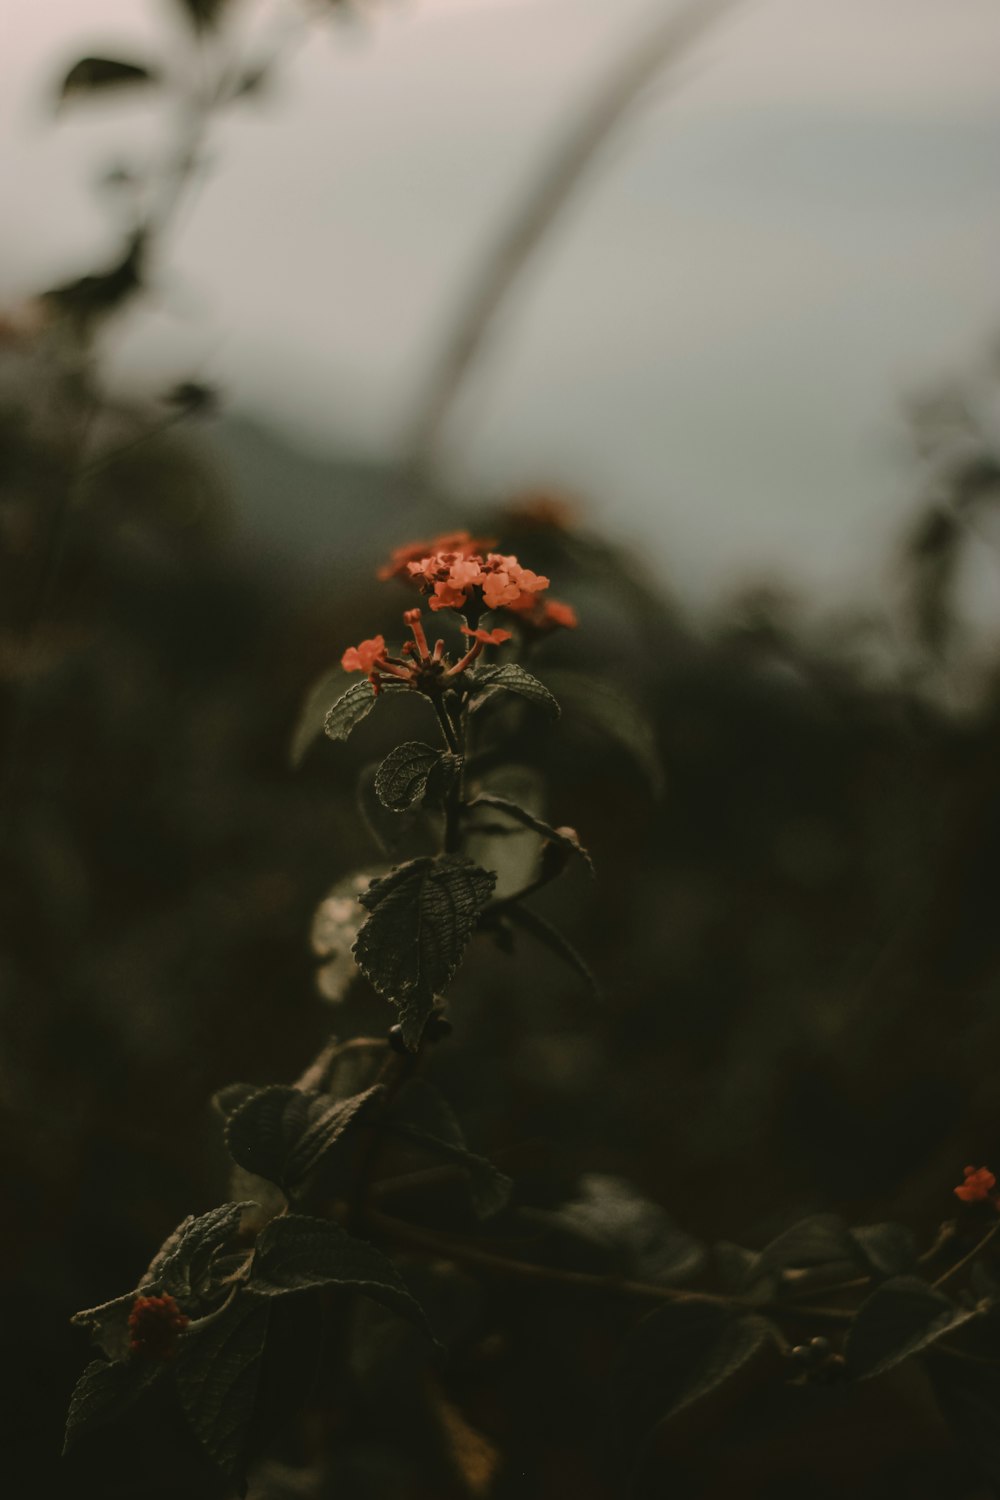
<point x="966" y="1260"/>
<point x="468" y="1253"/>
<point x="667" y="43"/>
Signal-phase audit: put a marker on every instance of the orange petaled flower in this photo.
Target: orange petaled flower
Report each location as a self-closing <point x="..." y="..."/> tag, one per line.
<point x="506" y="585"/>
<point x="488" y="637"/>
<point x="543" y="510"/>
<point x="978" y="1185"/>
<point x="546" y="615"/>
<point x="555" y="613"/>
<point x="154" y="1324"/>
<point x="459" y="542"/>
<point x="366" y="657"/>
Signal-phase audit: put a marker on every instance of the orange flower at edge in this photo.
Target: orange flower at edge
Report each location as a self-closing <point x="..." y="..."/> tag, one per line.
<point x="978" y="1185"/>
<point x="461" y="542"/>
<point x="364" y="657"/>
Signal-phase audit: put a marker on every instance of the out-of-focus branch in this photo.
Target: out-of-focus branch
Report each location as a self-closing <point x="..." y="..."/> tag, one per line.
<point x="659" y="49"/>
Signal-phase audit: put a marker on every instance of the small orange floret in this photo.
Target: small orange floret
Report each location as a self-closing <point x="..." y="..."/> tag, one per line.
<point x="364" y="657"/>
<point x="556" y="613"/>
<point x="154" y="1324"/>
<point x="978" y="1185"/>
<point x="488" y="637"/>
<point x="461" y="542"/>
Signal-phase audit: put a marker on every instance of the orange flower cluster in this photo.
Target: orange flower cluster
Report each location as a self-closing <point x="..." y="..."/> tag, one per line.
<point x="978" y="1186"/>
<point x="154" y="1324"/>
<point x="458" y="570"/>
<point x="417" y="666"/>
<point x="450" y="577"/>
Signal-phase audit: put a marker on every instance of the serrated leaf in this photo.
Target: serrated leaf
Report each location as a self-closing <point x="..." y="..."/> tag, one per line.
<point x="901" y="1317"/>
<point x="108" y="1325"/>
<point x="512" y="678"/>
<point x="354" y="706"/>
<point x="229" y="1098"/>
<point x="679" y="1354"/>
<point x="329" y="1124"/>
<point x="603" y="707"/>
<point x="401" y="779"/>
<point x="349" y="710"/>
<point x="297" y="1253"/>
<point x="421" y="918"/>
<point x="888" y="1249"/>
<point x="422" y="1115"/>
<point x="217" y="1372"/>
<point x="550" y="937"/>
<point x="183" y="1260"/>
<point x="104" y="1392"/>
<point x="566" y="839"/>
<point x="96" y="74"/>
<point x="281" y="1133"/>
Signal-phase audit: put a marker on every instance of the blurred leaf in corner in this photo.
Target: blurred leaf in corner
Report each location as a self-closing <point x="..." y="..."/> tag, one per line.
<point x="97" y="74"/>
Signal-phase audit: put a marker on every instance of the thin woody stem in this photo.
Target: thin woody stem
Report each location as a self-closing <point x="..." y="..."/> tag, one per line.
<point x="966" y="1260"/>
<point x="453" y="805"/>
<point x="614" y="1286"/>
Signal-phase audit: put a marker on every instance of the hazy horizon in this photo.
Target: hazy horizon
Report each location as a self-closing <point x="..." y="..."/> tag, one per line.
<point x="714" y="341"/>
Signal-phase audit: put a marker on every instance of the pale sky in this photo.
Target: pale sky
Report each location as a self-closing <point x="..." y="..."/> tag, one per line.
<point x="712" y="343"/>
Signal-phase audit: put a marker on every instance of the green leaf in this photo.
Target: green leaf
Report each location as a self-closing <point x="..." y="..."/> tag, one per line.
<point x="217" y="1371"/>
<point x="678" y="1355"/>
<point x="632" y="1235"/>
<point x="330" y="1121"/>
<point x="228" y="1099"/>
<point x="565" y="838"/>
<point x="95" y="74"/>
<point x="888" y="1249"/>
<point x="550" y="937"/>
<point x="182" y="1262"/>
<point x="422" y="916"/>
<point x="282" y="1133"/>
<point x="604" y="708"/>
<point x="108" y="1325"/>
<point x="402" y="777"/>
<point x="104" y="1392"/>
<point x="422" y="1115"/>
<point x="296" y="1253"/>
<point x="349" y="710"/>
<point x="512" y="679"/>
<point x="740" y="1270"/>
<point x="820" y="1240"/>
<point x="816" y="1241"/>
<point x="313" y="713"/>
<point x="901" y="1317"/>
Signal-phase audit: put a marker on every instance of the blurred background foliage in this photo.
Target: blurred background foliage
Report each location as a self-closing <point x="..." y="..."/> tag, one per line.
<point x="797" y="940"/>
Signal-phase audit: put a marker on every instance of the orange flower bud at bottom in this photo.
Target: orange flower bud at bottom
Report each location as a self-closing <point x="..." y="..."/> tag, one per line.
<point x="154" y="1324"/>
<point x="978" y="1185"/>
